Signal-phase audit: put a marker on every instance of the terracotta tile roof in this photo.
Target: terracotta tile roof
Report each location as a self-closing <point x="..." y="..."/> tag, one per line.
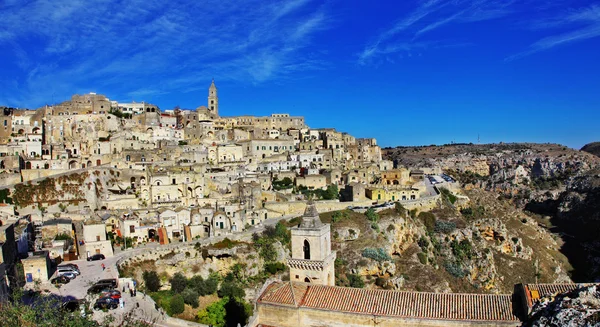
<point x="419" y="305"/>
<point x="551" y="289"/>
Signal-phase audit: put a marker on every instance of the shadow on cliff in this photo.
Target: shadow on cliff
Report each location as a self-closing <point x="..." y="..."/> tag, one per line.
<point x="579" y="229"/>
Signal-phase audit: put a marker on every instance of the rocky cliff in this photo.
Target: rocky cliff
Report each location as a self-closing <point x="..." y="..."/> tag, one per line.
<point x="580" y="307"/>
<point x="557" y="186"/>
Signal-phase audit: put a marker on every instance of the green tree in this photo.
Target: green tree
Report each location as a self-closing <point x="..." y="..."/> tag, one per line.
<point x="231" y="290"/>
<point x="331" y="193"/>
<point x="214" y="314"/>
<point x="177" y="304"/>
<point x="190" y="296"/>
<point x="151" y="280"/>
<point x="178" y="282"/>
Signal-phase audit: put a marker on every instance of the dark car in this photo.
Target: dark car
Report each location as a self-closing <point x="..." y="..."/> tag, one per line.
<point x="59" y="280"/>
<point x="111" y="281"/>
<point x="99" y="288"/>
<point x="72" y="265"/>
<point x="106" y="303"/>
<point x="96" y="257"/>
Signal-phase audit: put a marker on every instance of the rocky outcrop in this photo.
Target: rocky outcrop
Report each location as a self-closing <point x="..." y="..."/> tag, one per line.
<point x="580" y="307"/>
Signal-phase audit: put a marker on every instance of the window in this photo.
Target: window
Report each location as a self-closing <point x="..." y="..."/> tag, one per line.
<point x="98" y="238"/>
<point x="131" y="228"/>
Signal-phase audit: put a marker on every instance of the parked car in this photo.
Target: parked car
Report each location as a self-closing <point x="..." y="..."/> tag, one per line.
<point x="67" y="269"/>
<point x="96" y="257"/>
<point x="69" y="275"/>
<point x="110" y="281"/>
<point x="113" y="294"/>
<point x="99" y="288"/>
<point x="106" y="303"/>
<point x="59" y="280"/>
<point x="72" y="265"/>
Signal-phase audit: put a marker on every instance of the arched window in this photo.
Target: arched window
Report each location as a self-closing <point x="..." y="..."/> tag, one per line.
<point x="306" y="250"/>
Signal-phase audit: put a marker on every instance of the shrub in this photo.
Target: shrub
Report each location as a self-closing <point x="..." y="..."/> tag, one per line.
<point x="190" y="296"/>
<point x="413" y="213"/>
<point x="274" y="267"/>
<point x="447" y="194"/>
<point x="336" y="217"/>
<point x="177" y="304"/>
<point x="214" y="314"/>
<point x="151" y="280"/>
<point x="372" y="215"/>
<point x="462" y="250"/>
<point x="423" y="243"/>
<point x="355" y="281"/>
<point x="428" y="220"/>
<point x="445" y="227"/>
<point x="378" y="254"/>
<point x="231" y="290"/>
<point x="422" y="257"/>
<point x="454" y="269"/>
<point x="178" y="282"/>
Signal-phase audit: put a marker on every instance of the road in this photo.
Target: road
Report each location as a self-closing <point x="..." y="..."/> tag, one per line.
<point x="140" y="306"/>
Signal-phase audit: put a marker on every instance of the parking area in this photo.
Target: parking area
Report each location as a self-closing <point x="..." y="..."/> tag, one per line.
<point x="91" y="272"/>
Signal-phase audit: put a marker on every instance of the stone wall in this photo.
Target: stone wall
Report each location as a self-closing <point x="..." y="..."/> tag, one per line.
<point x="297" y="207"/>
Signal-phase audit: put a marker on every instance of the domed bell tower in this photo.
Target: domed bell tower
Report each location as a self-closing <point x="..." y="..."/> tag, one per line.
<point x="213" y="99"/>
<point x="312" y="259"/>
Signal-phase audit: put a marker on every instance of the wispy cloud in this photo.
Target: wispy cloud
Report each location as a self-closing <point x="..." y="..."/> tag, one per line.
<point x="576" y="25"/>
<point x="426" y="17"/>
<point x="144" y="46"/>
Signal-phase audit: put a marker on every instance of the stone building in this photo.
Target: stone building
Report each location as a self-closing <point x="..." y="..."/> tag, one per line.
<point x="37" y="267"/>
<point x="312" y="259"/>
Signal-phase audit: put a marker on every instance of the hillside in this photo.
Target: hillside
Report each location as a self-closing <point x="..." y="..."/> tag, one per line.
<point x="557" y="186"/>
<point x="593" y="148"/>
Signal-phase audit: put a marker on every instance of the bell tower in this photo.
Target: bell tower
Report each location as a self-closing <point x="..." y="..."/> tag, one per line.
<point x="213" y="99"/>
<point x="312" y="259"/>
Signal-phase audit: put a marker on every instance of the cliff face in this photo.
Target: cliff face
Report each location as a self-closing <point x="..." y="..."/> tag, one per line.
<point x="576" y="308"/>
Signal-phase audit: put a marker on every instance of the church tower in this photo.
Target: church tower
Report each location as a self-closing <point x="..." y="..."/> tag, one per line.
<point x="312" y="259"/>
<point x="213" y="99"/>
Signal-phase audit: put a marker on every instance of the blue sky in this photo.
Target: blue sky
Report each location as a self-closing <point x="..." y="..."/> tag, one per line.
<point x="411" y="72"/>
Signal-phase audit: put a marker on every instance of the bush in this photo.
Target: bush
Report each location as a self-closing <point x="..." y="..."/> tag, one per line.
<point x="445" y="227"/>
<point x="178" y="283"/>
<point x="274" y="267"/>
<point x="454" y="269"/>
<point x="151" y="280"/>
<point x="428" y="220"/>
<point x="190" y="296"/>
<point x="447" y="194"/>
<point x="423" y="243"/>
<point x="378" y="254"/>
<point x="355" y="281"/>
<point x="372" y="215"/>
<point x="214" y="314"/>
<point x="422" y="257"/>
<point x="462" y="250"/>
<point x="177" y="304"/>
<point x="231" y="290"/>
